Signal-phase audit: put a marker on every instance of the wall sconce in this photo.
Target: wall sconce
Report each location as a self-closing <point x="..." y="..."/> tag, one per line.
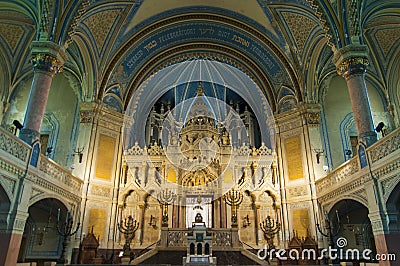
<point x="246" y="221"/>
<point x="79" y="153"/>
<point x="153" y="221"/>
<point x="318" y="154"/>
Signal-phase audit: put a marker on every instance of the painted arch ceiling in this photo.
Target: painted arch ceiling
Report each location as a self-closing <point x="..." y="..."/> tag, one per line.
<point x="284" y="46"/>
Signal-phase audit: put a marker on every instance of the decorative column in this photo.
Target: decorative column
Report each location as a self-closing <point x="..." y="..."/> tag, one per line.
<point x="351" y="63"/>
<point x="47" y="60"/>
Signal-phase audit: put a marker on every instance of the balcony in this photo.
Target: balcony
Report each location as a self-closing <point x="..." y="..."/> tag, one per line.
<point x="48" y="179"/>
<point x="347" y="180"/>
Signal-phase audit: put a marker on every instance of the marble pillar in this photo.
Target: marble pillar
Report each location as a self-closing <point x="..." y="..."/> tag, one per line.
<point x="47" y="60"/>
<point x="351" y="62"/>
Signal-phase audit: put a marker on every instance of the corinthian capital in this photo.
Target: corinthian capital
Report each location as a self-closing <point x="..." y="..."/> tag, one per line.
<point x="47" y="56"/>
<point x="351" y="60"/>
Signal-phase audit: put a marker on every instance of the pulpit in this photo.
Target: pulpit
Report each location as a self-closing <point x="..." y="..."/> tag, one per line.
<point x="199" y="249"/>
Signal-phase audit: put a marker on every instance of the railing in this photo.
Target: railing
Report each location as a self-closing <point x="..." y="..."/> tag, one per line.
<point x="14" y="146"/>
<point x="177" y="237"/>
<point x="144" y="250"/>
<point x="57" y="172"/>
<point x="384" y="151"/>
<point x="14" y="159"/>
<point x="222" y="237"/>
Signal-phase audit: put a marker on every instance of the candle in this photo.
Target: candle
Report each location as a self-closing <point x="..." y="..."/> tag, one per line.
<point x="337" y="215"/>
<point x="58" y="215"/>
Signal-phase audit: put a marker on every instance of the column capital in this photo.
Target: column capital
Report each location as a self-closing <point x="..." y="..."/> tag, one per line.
<point x="351" y="60"/>
<point x="312" y="113"/>
<point x="47" y="56"/>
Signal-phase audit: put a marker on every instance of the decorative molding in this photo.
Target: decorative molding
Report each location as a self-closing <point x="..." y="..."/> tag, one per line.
<point x="297" y="191"/>
<point x="299" y="205"/>
<point x="383" y="149"/>
<point x="101" y="191"/>
<point x="387" y="38"/>
<point x="35" y="193"/>
<point x="221" y="239"/>
<point x="12" y="34"/>
<point x="300" y="27"/>
<point x="312" y="118"/>
<point x="100" y="24"/>
<point x="177" y="238"/>
<point x="13" y="147"/>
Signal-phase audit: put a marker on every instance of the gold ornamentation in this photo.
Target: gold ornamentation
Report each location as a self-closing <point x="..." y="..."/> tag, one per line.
<point x="46" y="62"/>
<point x="12" y="34"/>
<point x="100" y="25"/>
<point x="300" y="27"/>
<point x="312" y="118"/>
<point x="352" y="66"/>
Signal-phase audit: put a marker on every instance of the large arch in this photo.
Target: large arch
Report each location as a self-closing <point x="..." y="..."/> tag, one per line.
<point x="167" y="40"/>
<point x="196" y="70"/>
<point x="393" y="209"/>
<point x="41" y="240"/>
<point x="351" y="227"/>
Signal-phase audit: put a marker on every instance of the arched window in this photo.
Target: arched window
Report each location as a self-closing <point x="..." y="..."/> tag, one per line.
<point x="199" y="249"/>
<point x="207" y="249"/>
<point x="191" y="249"/>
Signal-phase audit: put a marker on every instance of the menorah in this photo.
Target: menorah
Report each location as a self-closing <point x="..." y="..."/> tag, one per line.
<point x="330" y="232"/>
<point x="165" y="197"/>
<point x="234" y="198"/>
<point x="128" y="227"/>
<point x="66" y="232"/>
<point x="270" y="227"/>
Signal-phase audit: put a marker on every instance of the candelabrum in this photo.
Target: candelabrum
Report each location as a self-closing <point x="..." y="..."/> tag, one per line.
<point x="270" y="227"/>
<point x="165" y="197"/>
<point x="234" y="198"/>
<point x="128" y="227"/>
<point x="65" y="230"/>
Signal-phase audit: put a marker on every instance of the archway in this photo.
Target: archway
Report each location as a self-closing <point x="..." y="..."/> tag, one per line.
<point x="351" y="228"/>
<point x="4" y="202"/>
<point x="41" y="241"/>
<point x="393" y="210"/>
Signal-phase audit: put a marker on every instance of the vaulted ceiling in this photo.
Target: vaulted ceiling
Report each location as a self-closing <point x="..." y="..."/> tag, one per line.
<point x="285" y="47"/>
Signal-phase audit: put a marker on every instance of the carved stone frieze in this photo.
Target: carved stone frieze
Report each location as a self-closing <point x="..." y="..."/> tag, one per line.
<point x="348" y="189"/>
<point x="221" y="239"/>
<point x="110" y="125"/>
<point x="289" y="126"/>
<point x="383" y="149"/>
<point x="299" y="205"/>
<point x="312" y="118"/>
<point x="13" y="147"/>
<point x="177" y="238"/>
<point x="101" y="191"/>
<point x="297" y="191"/>
<point x="87" y="116"/>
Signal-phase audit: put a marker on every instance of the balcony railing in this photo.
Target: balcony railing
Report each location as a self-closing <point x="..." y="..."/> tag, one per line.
<point x="14" y="160"/>
<point x="383" y="158"/>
